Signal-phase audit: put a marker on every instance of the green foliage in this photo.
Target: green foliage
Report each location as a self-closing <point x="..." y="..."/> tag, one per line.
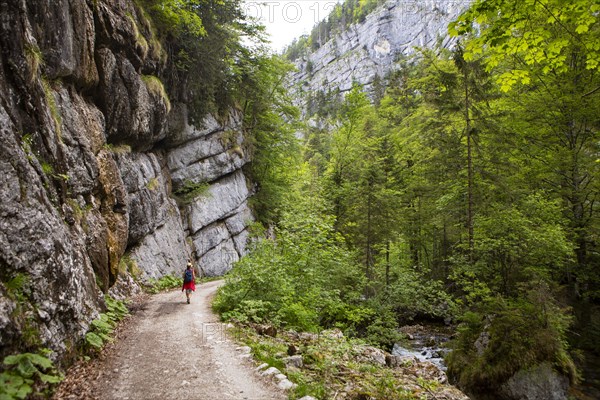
<point x="505" y="336"/>
<point x="35" y="59"/>
<point x="17" y="287"/>
<point x="117" y="149"/>
<point x="515" y="246"/>
<point x="27" y="371"/>
<point x="191" y="190"/>
<point x="47" y="168"/>
<point x="176" y="17"/>
<point x="298" y="281"/>
<point x="297" y="48"/>
<point x="26" y="143"/>
<point x="452" y="195"/>
<point x="141" y="41"/>
<point x="272" y="145"/>
<point x="541" y="34"/>
<point x="166" y="282"/>
<point x="54" y="111"/>
<point x="129" y="265"/>
<point x="208" y="58"/>
<point x="412" y="295"/>
<point x="153" y="184"/>
<point x="103" y="327"/>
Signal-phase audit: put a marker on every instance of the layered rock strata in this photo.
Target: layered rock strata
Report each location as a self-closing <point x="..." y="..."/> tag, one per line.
<point x="370" y="49"/>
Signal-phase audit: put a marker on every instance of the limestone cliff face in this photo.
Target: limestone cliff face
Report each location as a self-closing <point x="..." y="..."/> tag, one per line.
<point x="90" y="156"/>
<point x="370" y="49"/>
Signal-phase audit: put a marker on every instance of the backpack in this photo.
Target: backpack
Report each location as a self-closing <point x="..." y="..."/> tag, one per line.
<point x="188" y="276"/>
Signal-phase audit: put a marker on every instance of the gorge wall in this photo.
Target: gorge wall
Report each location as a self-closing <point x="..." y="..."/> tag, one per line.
<point x="369" y="50"/>
<point x="92" y="159"/>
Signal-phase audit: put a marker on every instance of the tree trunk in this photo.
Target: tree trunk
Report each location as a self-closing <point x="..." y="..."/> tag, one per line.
<point x="469" y="164"/>
<point x="387" y="264"/>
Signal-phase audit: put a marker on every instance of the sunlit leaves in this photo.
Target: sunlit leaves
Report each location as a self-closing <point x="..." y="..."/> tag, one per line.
<point x="177" y="16"/>
<point x="543" y="33"/>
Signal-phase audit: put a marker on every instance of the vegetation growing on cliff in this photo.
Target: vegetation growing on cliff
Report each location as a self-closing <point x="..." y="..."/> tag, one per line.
<point x="341" y="17"/>
<point x="208" y="62"/>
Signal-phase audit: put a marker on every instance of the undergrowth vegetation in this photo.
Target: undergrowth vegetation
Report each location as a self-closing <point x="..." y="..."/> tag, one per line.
<point x="520" y="334"/>
<point x="308" y="279"/>
<point x="332" y="363"/>
<point x="465" y="193"/>
<point x="190" y="191"/>
<point x="166" y="282"/>
<point x="103" y="327"/>
<point x="27" y="373"/>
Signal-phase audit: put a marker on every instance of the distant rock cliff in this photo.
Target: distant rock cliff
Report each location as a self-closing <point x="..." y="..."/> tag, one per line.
<point x="370" y="49"/>
<point x="91" y="160"/>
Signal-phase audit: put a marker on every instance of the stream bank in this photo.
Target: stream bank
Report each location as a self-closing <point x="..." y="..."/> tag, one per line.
<point x="426" y="343"/>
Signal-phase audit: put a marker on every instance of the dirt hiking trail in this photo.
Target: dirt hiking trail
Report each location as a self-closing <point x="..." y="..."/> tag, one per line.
<point x="174" y="350"/>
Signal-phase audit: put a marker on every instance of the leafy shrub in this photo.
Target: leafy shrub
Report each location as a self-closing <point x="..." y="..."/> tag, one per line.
<point x="412" y="296"/>
<point x="306" y="279"/>
<point x="257" y="311"/>
<point x="176" y="17"/>
<point x="298" y="316"/>
<point x="103" y="327"/>
<point x="26" y="371"/>
<point x="299" y="281"/>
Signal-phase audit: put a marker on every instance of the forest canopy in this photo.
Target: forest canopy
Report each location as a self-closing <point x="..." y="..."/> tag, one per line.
<point x="466" y="193"/>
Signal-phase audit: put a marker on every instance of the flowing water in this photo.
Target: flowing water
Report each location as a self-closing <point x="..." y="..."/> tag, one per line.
<point x="425" y="343"/>
<point x="428" y="343"/>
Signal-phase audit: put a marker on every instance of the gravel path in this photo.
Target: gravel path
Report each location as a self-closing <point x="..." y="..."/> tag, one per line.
<point x="174" y="350"/>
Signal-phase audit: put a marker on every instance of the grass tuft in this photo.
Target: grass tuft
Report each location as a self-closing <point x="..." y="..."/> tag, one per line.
<point x="191" y="190"/>
<point x="156" y="87"/>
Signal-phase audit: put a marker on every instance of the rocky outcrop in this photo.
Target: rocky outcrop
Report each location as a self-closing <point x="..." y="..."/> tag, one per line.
<point x="216" y="219"/>
<point x="538" y="383"/>
<point x="370" y="49"/>
<point x="90" y="160"/>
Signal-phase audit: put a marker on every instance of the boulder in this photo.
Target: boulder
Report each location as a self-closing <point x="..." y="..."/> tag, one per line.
<point x="271" y="371"/>
<point x="372" y="355"/>
<point x="292" y="349"/>
<point x="266" y="330"/>
<point x="538" y="383"/>
<point x="285" y="384"/>
<point x="293" y="361"/>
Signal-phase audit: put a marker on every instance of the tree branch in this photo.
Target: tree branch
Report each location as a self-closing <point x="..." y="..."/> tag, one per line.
<point x="591" y="92"/>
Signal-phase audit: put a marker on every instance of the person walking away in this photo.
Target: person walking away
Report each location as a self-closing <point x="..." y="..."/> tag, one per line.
<point x="189" y="281"/>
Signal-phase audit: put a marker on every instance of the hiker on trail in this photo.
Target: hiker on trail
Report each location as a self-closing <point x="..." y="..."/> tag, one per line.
<point x="189" y="281"/>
